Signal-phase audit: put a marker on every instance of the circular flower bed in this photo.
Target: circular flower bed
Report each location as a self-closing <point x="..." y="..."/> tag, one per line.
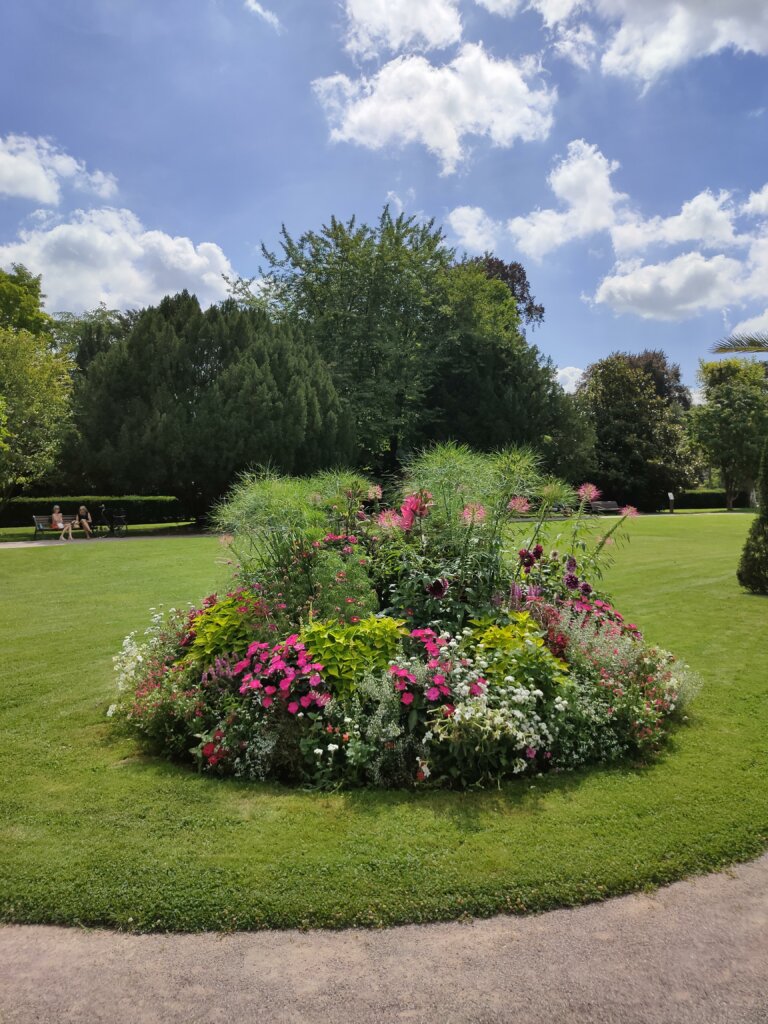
<point x="447" y="638"/>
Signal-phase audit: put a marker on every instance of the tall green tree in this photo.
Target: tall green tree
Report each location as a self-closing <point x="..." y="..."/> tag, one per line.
<point x="732" y="424"/>
<point x="21" y="301"/>
<point x="35" y="389"/>
<point x="187" y="399"/>
<point x="369" y="297"/>
<point x="91" y="332"/>
<point x="489" y="388"/>
<point x="641" y="449"/>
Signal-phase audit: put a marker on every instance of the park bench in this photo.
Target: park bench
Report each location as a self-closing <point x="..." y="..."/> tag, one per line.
<point x="43" y="523"/>
<point x="601" y="507"/>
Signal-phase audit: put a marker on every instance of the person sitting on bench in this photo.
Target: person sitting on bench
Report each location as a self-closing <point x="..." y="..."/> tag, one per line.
<point x="84" y="522"/>
<point x="57" y="523"/>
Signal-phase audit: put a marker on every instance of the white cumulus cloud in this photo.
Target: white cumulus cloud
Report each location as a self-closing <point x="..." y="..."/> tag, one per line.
<point x="35" y="168"/>
<point x="376" y="25"/>
<point x="682" y="287"/>
<point x="707" y="219"/>
<point x="657" y="36"/>
<point x="473" y="228"/>
<point x="582" y="182"/>
<point x="753" y="324"/>
<point x="410" y="100"/>
<point x="645" y="39"/>
<point x="107" y="255"/>
<point x="568" y="377"/>
<point x="264" y="13"/>
<point x="725" y="262"/>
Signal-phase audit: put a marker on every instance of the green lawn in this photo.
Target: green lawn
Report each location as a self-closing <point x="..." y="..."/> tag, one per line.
<point x="94" y="832"/>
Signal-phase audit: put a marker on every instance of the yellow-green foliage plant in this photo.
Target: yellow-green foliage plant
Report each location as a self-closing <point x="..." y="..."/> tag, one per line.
<point x="348" y="652"/>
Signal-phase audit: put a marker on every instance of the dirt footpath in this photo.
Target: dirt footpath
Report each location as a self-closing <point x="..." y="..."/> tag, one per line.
<point x="693" y="953"/>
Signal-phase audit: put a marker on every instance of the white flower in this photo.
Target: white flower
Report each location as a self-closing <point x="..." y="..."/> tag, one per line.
<point x="318" y="751"/>
<point x="111" y="710"/>
<point x="332" y="747"/>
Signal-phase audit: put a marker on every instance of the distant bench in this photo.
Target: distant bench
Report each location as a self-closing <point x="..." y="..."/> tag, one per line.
<point x="43" y="523"/>
<point x="601" y="507"/>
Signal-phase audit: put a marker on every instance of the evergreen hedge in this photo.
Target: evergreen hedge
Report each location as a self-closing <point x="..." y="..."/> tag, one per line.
<point x="709" y="499"/>
<point x="139" y="508"/>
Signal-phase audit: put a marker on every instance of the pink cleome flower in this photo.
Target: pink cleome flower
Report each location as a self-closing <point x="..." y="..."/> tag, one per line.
<point x="629" y="511"/>
<point x="520" y="506"/>
<point x="589" y="492"/>
<point x="473" y="513"/>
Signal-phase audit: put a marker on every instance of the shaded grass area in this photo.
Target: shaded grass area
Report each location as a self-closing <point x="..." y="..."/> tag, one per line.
<point x="24" y="533"/>
<point x="93" y="831"/>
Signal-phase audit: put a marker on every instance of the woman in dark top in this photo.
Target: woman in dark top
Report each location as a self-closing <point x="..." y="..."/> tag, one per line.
<point x="84" y="522"/>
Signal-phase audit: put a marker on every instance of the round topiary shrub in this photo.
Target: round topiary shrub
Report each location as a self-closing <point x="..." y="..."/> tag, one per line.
<point x="445" y="639"/>
<point x="753" y="567"/>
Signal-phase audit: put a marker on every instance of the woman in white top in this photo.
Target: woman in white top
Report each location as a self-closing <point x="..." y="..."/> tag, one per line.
<point x="57" y="523"/>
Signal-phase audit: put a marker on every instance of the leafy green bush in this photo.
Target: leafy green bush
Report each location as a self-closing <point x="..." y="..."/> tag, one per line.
<point x="753" y="567"/>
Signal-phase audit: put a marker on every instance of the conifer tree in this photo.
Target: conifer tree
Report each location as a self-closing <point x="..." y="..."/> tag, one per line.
<point x="753" y="567"/>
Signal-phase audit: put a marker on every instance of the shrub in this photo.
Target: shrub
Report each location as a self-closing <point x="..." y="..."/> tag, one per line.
<point x="753" y="566"/>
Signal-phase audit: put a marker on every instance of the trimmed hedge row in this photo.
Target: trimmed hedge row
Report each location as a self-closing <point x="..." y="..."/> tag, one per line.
<point x="708" y="499"/>
<point x="138" y="508"/>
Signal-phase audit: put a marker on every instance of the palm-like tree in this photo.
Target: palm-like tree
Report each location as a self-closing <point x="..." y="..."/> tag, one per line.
<point x="741" y="344"/>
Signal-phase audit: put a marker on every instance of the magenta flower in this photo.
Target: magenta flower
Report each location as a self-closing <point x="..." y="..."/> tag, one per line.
<point x="520" y="506"/>
<point x="293" y="707"/>
<point x="473" y="513"/>
<point x="629" y="511"/>
<point x="407" y="698"/>
<point x="530" y="753"/>
<point x="588" y="492"/>
<point x="267" y="702"/>
<point x="432" y="693"/>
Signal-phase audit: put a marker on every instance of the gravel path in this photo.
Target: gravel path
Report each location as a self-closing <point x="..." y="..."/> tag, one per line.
<point x="693" y="953"/>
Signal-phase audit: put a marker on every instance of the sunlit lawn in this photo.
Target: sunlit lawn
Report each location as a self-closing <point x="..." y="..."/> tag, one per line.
<point x="93" y="831"/>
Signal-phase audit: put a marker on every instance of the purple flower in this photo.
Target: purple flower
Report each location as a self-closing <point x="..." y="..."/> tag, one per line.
<point x="571" y="581"/>
<point x="438" y="589"/>
<point x="570" y="563"/>
<point x="585" y="589"/>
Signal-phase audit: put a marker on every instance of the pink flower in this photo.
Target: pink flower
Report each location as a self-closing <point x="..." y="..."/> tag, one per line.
<point x="293" y="707"/>
<point x="306" y="700"/>
<point x="588" y="492"/>
<point x="374" y="493"/>
<point x="520" y="506"/>
<point x="473" y="513"/>
<point x="432" y="693"/>
<point x="266" y="702"/>
<point x="530" y="753"/>
<point x="322" y="699"/>
<point x="407" y="698"/>
<point x="269" y="690"/>
<point x="389" y="519"/>
<point x="629" y="511"/>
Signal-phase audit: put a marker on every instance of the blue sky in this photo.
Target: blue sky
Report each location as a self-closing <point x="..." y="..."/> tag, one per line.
<point x="619" y="150"/>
